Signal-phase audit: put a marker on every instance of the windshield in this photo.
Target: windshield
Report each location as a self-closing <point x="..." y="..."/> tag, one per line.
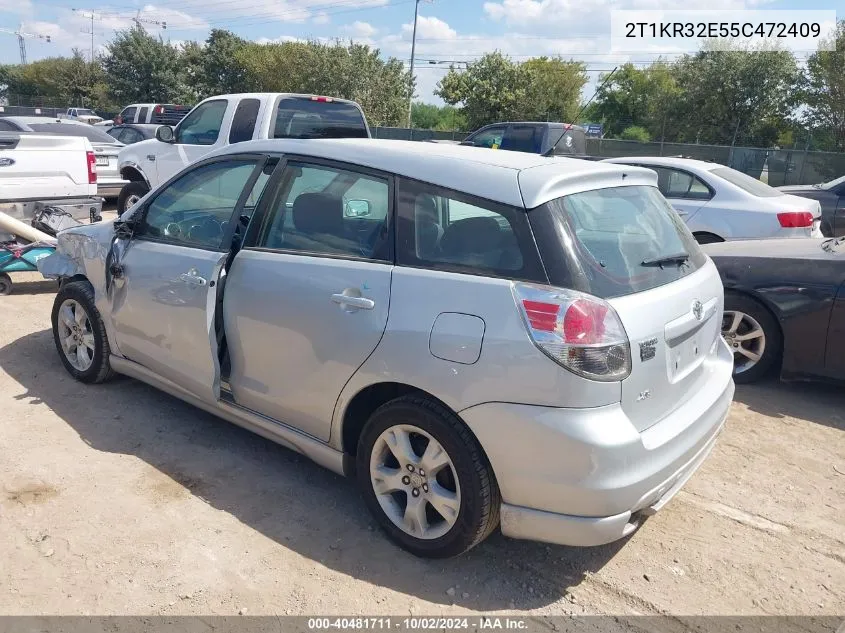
<point x="624" y="240"/>
<point x="93" y="134"/>
<point x="82" y="112"/>
<point x="746" y="183"/>
<point x="304" y="118"/>
<point x="830" y="184"/>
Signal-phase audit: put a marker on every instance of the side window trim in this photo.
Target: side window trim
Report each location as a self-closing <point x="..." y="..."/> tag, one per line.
<point x="259" y="159"/>
<point x="262" y="216"/>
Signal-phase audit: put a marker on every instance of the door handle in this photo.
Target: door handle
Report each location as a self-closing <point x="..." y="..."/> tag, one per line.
<point x="192" y="278"/>
<point x="360" y="303"/>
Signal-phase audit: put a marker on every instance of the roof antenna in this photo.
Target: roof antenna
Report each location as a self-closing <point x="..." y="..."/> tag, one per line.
<point x="568" y="127"/>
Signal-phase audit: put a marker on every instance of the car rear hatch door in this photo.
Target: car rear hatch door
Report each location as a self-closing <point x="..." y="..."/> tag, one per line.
<point x="672" y="330"/>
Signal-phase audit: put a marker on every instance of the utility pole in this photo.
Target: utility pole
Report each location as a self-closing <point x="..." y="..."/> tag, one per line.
<point x="89" y="15"/>
<point x="413" y="51"/>
<point x="21" y="43"/>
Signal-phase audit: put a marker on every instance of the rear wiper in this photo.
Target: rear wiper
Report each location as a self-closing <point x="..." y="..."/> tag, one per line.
<point x="674" y="258"/>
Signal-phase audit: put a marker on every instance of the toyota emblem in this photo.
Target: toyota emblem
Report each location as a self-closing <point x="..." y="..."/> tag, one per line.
<point x="697" y="310"/>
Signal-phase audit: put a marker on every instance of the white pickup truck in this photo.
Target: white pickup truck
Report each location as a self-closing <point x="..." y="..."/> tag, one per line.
<point x="226" y="119"/>
<point x="38" y="171"/>
<point x="83" y="115"/>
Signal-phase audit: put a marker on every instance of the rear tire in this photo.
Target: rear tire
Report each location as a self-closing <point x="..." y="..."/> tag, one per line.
<point x="80" y="334"/>
<point x="707" y="238"/>
<point x="5" y="284"/>
<point x="130" y="194"/>
<point x="754" y="337"/>
<point x="459" y="477"/>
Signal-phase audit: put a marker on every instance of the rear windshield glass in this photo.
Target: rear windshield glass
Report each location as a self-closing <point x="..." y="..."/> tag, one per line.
<point x="93" y="134"/>
<point x="616" y="238"/>
<point x="746" y="183"/>
<point x="304" y="118"/>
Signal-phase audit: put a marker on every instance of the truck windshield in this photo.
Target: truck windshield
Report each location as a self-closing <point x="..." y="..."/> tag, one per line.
<point x="83" y="112"/>
<point x="302" y="117"/>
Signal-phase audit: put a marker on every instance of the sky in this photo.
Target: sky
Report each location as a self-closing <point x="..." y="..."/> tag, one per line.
<point x="447" y="30"/>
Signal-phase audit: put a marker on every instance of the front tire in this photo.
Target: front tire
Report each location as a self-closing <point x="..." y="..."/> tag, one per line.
<point x="80" y="334"/>
<point x="130" y="194"/>
<point x="754" y="337"/>
<point x="5" y="284"/>
<point x="426" y="479"/>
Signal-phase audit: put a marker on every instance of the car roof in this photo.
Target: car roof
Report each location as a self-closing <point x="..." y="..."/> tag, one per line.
<point x="551" y="124"/>
<point x="666" y="161"/>
<point x="29" y="120"/>
<point x="515" y="178"/>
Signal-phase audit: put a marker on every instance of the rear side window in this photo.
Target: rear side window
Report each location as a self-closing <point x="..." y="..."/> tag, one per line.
<point x="746" y="183"/>
<point x="243" y="124"/>
<point x="307" y="118"/>
<point x="142" y="115"/>
<point x="522" y="138"/>
<point x="675" y="183"/>
<point x="448" y="230"/>
<point x="607" y="242"/>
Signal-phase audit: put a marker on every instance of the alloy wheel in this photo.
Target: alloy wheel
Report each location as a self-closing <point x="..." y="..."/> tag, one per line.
<point x="76" y="335"/>
<point x="746" y="338"/>
<point x="415" y="482"/>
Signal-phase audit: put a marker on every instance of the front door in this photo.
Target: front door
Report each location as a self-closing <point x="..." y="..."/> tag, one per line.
<point x="195" y="136"/>
<point x="163" y="302"/>
<point x="306" y="300"/>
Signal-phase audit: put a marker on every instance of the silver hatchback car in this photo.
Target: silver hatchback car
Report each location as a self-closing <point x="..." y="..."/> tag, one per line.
<point x="480" y="338"/>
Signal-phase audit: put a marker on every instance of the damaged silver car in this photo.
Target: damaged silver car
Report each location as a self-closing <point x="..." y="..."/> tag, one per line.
<point x="479" y="338"/>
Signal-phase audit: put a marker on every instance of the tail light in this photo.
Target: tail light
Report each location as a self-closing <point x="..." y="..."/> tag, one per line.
<point x="322" y="99"/>
<point x="580" y="332"/>
<point x="92" y="168"/>
<point x="158" y="109"/>
<point x="795" y="219"/>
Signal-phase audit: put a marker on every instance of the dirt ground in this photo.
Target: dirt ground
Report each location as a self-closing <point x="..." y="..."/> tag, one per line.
<point x="118" y="499"/>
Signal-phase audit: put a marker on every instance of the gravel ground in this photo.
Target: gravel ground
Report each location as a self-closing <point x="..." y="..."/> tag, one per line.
<point x="118" y="499"/>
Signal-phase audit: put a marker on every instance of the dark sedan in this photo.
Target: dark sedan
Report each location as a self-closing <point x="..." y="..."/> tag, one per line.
<point x="784" y="306"/>
<point x="128" y="133"/>
<point x="831" y="197"/>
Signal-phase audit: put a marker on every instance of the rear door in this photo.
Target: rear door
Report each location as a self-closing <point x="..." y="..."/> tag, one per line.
<point x="306" y="300"/>
<point x="163" y="302"/>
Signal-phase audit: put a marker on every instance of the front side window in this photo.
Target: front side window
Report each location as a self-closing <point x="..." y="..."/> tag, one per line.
<point x="620" y="236"/>
<point x="324" y="210"/>
<point x="195" y="210"/>
<point x="490" y="138"/>
<point x="128" y="115"/>
<point x="202" y="125"/>
<point x="439" y="228"/>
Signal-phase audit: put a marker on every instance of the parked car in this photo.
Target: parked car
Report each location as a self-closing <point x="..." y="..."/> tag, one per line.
<point x="83" y="115"/>
<point x="38" y="171"/>
<point x="719" y="203"/>
<point x="106" y="148"/>
<point x="225" y="119"/>
<point x="831" y="197"/>
<point x="129" y="133"/>
<point x="393" y="311"/>
<point x="784" y="307"/>
<point x="559" y="139"/>
<point x="158" y="113"/>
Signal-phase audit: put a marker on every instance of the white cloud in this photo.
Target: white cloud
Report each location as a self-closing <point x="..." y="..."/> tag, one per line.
<point x="360" y="30"/>
<point x="18" y="7"/>
<point x="321" y="18"/>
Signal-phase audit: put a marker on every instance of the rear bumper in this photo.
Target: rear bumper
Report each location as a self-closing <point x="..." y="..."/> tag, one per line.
<point x="586" y="476"/>
<point x="110" y="188"/>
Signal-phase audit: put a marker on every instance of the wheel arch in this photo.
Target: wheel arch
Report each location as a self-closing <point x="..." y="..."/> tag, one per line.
<point x="709" y="234"/>
<point x="133" y="173"/>
<point x="361" y="406"/>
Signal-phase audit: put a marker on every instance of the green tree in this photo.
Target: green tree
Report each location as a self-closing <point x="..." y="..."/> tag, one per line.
<point x="222" y="72"/>
<point x="635" y="133"/>
<point x="731" y="95"/>
<point x="823" y="91"/>
<point x="431" y="117"/>
<point x="140" y="67"/>
<point x="554" y="89"/>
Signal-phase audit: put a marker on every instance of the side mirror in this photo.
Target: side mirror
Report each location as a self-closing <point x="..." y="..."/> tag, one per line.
<point x="164" y="133"/>
<point x="357" y="208"/>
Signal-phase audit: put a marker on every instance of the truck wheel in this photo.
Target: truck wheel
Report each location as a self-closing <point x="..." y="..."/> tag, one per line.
<point x="130" y="194"/>
<point x="80" y="334"/>
<point x="5" y="284"/>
